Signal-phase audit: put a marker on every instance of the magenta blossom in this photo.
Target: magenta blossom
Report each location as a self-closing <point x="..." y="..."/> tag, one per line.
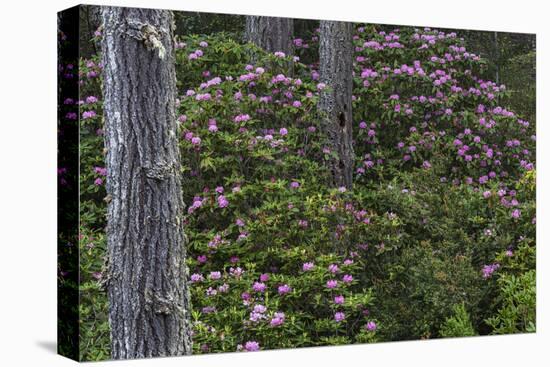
<point x="278" y="319"/>
<point x="488" y="270"/>
<point x="100" y="171"/>
<point x="215" y="275"/>
<point x="222" y="201"/>
<point x="347" y="278"/>
<point x="236" y="272"/>
<point x="260" y="308"/>
<point x="241" y="118"/>
<point x="195" y="278"/>
<point x="91" y="99"/>
<point x="284" y="289"/>
<point x="196" y="140"/>
<point x="259" y="287"/>
<point x="371" y="326"/>
<point x="252" y="346"/>
<point x="88" y="115"/>
<point x="339" y="316"/>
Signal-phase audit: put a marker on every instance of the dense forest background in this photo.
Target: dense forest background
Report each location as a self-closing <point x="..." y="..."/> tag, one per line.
<point x="510" y="57"/>
<point x="434" y="237"/>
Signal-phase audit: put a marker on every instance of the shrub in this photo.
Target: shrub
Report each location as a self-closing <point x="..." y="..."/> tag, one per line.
<point x="458" y="324"/>
<point x="518" y="305"/>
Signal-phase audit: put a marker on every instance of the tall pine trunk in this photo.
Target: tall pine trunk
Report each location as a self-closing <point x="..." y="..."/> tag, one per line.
<point x="497" y="57"/>
<point x="270" y="33"/>
<point x="147" y="277"/>
<point x="335" y="102"/>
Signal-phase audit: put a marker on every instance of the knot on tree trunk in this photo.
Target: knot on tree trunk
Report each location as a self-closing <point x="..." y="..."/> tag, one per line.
<point x="150" y="35"/>
<point x="159" y="171"/>
<point x="162" y="304"/>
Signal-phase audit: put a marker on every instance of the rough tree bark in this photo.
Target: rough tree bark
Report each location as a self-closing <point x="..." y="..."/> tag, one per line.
<point x="335" y="102"/>
<point x="270" y="33"/>
<point x="147" y="277"/>
<point x="90" y="21"/>
<point x="497" y="57"/>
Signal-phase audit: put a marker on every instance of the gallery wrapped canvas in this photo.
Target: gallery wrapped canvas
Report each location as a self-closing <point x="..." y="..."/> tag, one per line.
<point x="235" y="183"/>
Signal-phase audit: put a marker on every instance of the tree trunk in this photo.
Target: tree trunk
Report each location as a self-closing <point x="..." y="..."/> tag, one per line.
<point x="90" y="21"/>
<point x="147" y="277"/>
<point x="270" y="33"/>
<point x="335" y="103"/>
<point x="497" y="58"/>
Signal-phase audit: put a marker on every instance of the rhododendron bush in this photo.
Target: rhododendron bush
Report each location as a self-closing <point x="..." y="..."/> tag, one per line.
<point x="436" y="237"/>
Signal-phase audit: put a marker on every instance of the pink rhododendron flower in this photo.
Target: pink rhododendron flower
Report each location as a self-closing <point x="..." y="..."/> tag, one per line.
<point x="347" y="278"/>
<point x="488" y="270"/>
<point x="252" y="346"/>
<point x="195" y="278"/>
<point x="371" y="326"/>
<point x="259" y="287"/>
<point x="278" y="319"/>
<point x="215" y="275"/>
<point x="284" y="289"/>
<point x="222" y="201"/>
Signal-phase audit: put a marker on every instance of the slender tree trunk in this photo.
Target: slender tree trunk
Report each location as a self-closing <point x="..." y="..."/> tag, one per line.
<point x="94" y="17"/>
<point x="336" y="67"/>
<point x="147" y="277"/>
<point x="94" y="23"/>
<point x="270" y="33"/>
<point x="497" y="58"/>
